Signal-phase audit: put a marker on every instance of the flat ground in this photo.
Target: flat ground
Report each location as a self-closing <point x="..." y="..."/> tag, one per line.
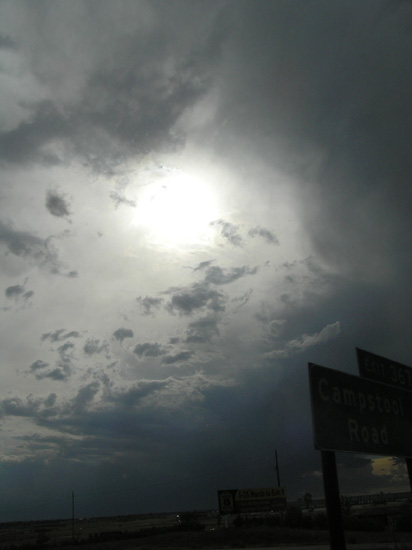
<point x="163" y="532"/>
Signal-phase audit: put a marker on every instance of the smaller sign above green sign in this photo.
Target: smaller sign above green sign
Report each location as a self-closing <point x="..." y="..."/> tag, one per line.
<point x="384" y="370"/>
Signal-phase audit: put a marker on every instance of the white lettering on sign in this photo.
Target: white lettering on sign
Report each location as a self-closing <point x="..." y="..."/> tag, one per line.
<point x="366" y="434"/>
<point x="362" y="401"/>
<point x="384" y="370"/>
<point x="387" y="371"/>
<point x="269" y="493"/>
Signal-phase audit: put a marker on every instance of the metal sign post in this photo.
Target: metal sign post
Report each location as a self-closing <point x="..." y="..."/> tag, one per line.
<point x="332" y="497"/>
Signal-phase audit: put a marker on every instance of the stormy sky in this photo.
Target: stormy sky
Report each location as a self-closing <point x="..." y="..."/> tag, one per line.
<point x="196" y="200"/>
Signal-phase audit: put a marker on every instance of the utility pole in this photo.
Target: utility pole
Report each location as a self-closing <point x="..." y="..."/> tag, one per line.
<point x="73" y="515"/>
<point x="277" y="467"/>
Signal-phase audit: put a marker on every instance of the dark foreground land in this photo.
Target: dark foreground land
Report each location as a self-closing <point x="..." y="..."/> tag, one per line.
<point x="195" y="531"/>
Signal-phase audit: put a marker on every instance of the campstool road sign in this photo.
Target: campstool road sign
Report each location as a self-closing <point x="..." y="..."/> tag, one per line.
<point x="359" y="415"/>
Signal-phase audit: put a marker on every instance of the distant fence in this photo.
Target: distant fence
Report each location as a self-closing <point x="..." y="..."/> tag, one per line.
<point x="377" y="498"/>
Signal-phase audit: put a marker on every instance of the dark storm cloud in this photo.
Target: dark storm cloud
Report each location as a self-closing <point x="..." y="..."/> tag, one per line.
<point x="106" y="132"/>
<point x="42" y="370"/>
<point x="61" y="373"/>
<point x="126" y="108"/>
<point x="218" y="276"/>
<point x="132" y="396"/>
<point x="63" y="367"/>
<point x="25" y="143"/>
<point x="57" y="204"/>
<point x="145" y="123"/>
<point x="38" y="365"/>
<point x="85" y="396"/>
<point x="149" y="349"/>
<point x="148" y="304"/>
<point x="27" y="295"/>
<point x="202" y="330"/>
<point x="242" y="300"/>
<point x="14" y="291"/>
<point x="333" y="97"/>
<point x="15" y="406"/>
<point x="203" y="265"/>
<point x="122" y="333"/>
<point x="228" y="231"/>
<point x="78" y="416"/>
<point x="34" y="407"/>
<point x="93" y="345"/>
<point x="265" y="234"/>
<point x="196" y="298"/>
<point x="316" y="91"/>
<point x="28" y="246"/>
<point x="59" y="335"/>
<point x="18" y="293"/>
<point x="120" y="403"/>
<point x="6" y="42"/>
<point x="65" y="349"/>
<point x="139" y="104"/>
<point x="179" y="357"/>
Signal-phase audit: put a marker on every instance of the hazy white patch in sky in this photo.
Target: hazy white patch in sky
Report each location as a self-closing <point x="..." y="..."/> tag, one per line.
<point x="175" y="208"/>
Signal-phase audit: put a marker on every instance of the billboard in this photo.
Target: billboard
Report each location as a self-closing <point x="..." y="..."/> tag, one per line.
<point x="359" y="415"/>
<point x="247" y="501"/>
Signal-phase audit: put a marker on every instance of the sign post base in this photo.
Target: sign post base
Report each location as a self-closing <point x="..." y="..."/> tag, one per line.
<point x="332" y="497"/>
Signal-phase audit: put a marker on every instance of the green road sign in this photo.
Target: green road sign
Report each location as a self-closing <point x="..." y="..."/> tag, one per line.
<point x="359" y="415"/>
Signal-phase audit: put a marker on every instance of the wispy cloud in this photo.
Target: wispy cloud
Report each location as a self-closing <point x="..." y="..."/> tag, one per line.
<point x="306" y="341"/>
<point x="228" y="231"/>
<point x="196" y="298"/>
<point x="265" y="234"/>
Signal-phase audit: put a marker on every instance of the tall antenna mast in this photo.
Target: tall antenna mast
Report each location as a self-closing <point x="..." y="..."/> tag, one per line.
<point x="72" y="515"/>
<point x="277" y="467"/>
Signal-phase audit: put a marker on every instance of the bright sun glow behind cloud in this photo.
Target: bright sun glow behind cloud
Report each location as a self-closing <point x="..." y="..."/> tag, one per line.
<point x="176" y="209"/>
